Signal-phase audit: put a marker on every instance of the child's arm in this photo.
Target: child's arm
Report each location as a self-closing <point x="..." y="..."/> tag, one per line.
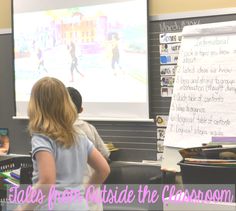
<point x="47" y="175"/>
<point x="47" y="167"/>
<point x="100" y="165"/>
<point x="5" y="144"/>
<point x="99" y="143"/>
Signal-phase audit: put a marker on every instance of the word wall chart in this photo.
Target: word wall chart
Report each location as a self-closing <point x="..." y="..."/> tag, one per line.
<point x="169" y="50"/>
<point x="161" y="123"/>
<point x="170" y="44"/>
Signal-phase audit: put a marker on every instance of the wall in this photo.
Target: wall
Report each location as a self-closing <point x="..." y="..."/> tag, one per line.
<point x="137" y="140"/>
<point x="5" y="14"/>
<point x="158" y="7"/>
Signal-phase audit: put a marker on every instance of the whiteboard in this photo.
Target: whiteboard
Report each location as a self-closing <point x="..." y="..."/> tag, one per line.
<point x="204" y="97"/>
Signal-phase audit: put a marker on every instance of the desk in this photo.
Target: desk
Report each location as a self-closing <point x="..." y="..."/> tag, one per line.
<point x="123" y="172"/>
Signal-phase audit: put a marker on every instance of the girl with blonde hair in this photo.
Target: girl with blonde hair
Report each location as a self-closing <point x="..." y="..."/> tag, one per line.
<point x="60" y="153"/>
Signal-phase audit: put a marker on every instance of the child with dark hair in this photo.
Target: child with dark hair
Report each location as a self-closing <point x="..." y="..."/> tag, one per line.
<point x="93" y="136"/>
<point x="87" y="128"/>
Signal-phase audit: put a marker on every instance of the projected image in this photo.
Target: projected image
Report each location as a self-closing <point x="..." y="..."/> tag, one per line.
<point x="96" y="49"/>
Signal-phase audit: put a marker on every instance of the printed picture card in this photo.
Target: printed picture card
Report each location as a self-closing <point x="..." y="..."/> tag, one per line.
<point x="167" y="81"/>
<point x="162" y="120"/>
<point x="166" y="91"/>
<point x="160" y="146"/>
<point x="169" y="48"/>
<point x="159" y="156"/>
<point x="169" y="59"/>
<point x="170" y="37"/>
<point x="161" y="133"/>
<point x="168" y="69"/>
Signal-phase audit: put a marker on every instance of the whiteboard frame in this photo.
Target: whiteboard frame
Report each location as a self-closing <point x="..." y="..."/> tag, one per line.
<point x="6" y="31"/>
<point x="96" y="119"/>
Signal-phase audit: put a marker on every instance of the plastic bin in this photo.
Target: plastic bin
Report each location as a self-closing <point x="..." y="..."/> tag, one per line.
<point x="207" y="174"/>
<point x="8" y="163"/>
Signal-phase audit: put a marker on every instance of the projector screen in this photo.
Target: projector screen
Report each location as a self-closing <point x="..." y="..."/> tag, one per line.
<point x="97" y="47"/>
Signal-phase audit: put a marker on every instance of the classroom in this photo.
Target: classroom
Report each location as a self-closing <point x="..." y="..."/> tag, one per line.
<point x="157" y="89"/>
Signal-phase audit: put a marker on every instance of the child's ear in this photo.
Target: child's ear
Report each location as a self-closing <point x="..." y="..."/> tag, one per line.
<point x="81" y="110"/>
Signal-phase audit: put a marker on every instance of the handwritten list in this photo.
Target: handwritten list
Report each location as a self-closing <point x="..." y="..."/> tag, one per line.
<point x="204" y="99"/>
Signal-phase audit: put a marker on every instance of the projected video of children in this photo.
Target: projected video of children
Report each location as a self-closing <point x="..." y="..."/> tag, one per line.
<point x="92" y="48"/>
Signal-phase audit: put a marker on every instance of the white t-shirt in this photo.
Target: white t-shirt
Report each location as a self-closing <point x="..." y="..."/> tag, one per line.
<point x="92" y="133"/>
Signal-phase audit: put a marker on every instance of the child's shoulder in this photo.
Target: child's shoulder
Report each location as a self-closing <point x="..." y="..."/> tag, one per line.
<point x="81" y="137"/>
<point x="38" y="137"/>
